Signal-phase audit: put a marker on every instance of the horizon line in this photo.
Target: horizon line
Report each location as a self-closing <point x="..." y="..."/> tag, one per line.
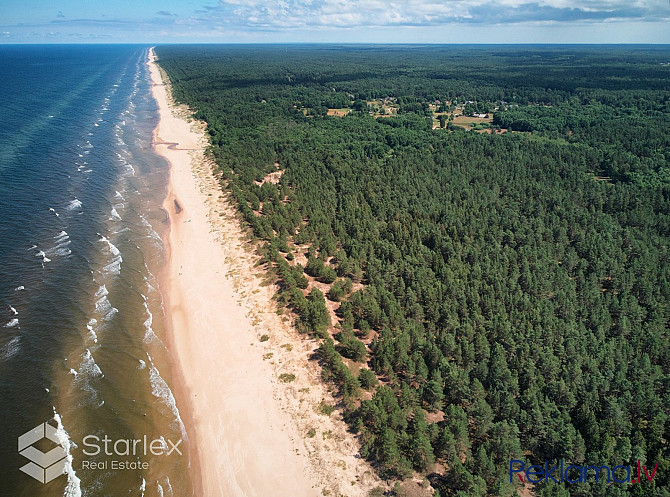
<point x="269" y="43"/>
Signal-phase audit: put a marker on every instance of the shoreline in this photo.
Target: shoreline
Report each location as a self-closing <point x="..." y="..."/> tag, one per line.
<point x="248" y="430"/>
<point x="179" y="387"/>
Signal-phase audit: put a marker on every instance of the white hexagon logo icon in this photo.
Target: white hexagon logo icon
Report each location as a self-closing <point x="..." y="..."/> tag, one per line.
<point x="44" y="466"/>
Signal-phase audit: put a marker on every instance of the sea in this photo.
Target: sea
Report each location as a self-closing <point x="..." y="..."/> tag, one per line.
<point x="82" y="341"/>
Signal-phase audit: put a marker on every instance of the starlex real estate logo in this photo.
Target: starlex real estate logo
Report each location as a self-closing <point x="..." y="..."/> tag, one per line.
<point x="47" y="466"/>
<point x="43" y="466"/>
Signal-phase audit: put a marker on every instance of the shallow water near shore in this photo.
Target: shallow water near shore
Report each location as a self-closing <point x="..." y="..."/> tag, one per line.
<point x="81" y="337"/>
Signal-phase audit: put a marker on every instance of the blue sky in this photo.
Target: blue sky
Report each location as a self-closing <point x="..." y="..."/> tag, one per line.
<point x="395" y="21"/>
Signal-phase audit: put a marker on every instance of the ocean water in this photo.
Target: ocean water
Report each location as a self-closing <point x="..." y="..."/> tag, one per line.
<point x="81" y="318"/>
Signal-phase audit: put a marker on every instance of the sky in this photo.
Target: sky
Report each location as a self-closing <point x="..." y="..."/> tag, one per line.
<point x="336" y="21"/>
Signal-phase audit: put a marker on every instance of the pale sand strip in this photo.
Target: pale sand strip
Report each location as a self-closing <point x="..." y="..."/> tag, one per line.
<point x="251" y="431"/>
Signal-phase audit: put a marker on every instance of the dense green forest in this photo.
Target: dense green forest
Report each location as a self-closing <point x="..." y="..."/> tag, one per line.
<point x="503" y="290"/>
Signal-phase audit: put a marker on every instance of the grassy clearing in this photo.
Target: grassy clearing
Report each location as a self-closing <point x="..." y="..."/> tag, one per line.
<point x="338" y="112"/>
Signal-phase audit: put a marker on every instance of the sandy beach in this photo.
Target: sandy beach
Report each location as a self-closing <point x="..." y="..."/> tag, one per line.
<point x="251" y="434"/>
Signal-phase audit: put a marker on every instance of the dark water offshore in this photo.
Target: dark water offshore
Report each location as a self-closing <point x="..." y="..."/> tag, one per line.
<point x="81" y="319"/>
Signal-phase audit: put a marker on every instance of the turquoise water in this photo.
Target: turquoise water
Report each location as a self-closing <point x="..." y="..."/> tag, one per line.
<point x="81" y="318"/>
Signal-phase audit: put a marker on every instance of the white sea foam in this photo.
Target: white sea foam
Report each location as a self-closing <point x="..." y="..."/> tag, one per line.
<point x="150" y="288"/>
<point x="118" y="195"/>
<point x="167" y="492"/>
<point x="111" y="313"/>
<point x="13" y="323"/>
<point x="10" y="349"/>
<point x="96" y="124"/>
<point x="167" y="481"/>
<point x="51" y="209"/>
<point x="115" y="214"/>
<point x="88" y="371"/>
<point x="62" y="241"/>
<point x="161" y="390"/>
<point x="150" y="229"/>
<point x="43" y="256"/>
<point x="88" y="365"/>
<point x="149" y="334"/>
<point x="101" y="292"/>
<point x="73" y="372"/>
<point x="143" y="486"/>
<point x="60" y="250"/>
<point x="102" y="304"/>
<point x="114" y="265"/>
<point x="73" y="486"/>
<point x="91" y="330"/>
<point x="150" y="318"/>
<point x="74" y="204"/>
<point x="14" y="311"/>
<point x="142" y="365"/>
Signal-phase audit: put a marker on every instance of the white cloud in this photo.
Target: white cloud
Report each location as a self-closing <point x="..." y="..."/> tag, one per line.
<point x="374" y="13"/>
<point x="387" y="21"/>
